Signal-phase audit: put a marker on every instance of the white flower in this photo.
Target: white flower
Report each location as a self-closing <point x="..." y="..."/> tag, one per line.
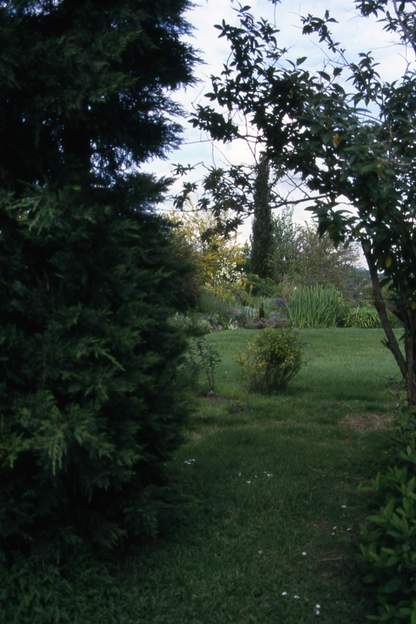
<point x="284" y="593"/>
<point x="304" y="554"/>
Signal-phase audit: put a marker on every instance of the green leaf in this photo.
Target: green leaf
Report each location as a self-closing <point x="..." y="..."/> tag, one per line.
<point x="324" y="75"/>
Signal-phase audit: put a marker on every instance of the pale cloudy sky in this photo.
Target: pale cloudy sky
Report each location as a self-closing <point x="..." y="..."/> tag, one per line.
<point x="355" y="33"/>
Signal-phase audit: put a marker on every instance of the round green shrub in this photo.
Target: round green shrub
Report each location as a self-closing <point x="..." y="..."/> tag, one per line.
<point x="273" y="358"/>
<point x="364" y="317"/>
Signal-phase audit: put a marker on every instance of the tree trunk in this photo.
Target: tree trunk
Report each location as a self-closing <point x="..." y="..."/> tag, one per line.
<point x="77" y="151"/>
<point x="405" y="364"/>
<point x="410" y="361"/>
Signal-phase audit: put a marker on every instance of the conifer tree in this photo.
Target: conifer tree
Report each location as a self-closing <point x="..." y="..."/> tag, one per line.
<point x="90" y="400"/>
<point x="262" y="231"/>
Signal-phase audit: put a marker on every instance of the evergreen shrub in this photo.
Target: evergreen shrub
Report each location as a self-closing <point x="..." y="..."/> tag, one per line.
<point x="273" y="358"/>
<point x="91" y="405"/>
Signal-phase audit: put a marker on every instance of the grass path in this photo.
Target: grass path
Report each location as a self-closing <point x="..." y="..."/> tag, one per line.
<point x="273" y="512"/>
<point x="273" y="532"/>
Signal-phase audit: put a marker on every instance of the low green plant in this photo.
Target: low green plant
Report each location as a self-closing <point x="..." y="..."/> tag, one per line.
<point x="365" y="317"/>
<point x="273" y="358"/>
<point x="191" y="324"/>
<point x="388" y="551"/>
<point x="315" y="307"/>
<point x="261" y="287"/>
<point x="219" y="312"/>
<point x="203" y="359"/>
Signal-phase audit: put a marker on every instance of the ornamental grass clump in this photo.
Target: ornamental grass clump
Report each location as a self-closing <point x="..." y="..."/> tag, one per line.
<point x="273" y="358"/>
<point x="364" y="317"/>
<point x="315" y="307"/>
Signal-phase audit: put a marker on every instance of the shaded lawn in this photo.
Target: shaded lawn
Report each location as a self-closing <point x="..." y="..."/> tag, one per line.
<point x="275" y="477"/>
<point x="272" y="509"/>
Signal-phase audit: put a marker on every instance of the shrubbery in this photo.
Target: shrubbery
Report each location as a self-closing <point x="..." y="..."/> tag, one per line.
<point x="315" y="307"/>
<point x="273" y="358"/>
<point x="364" y="317"/>
<point x="91" y="405"/>
<point x="201" y="363"/>
<point x="388" y="551"/>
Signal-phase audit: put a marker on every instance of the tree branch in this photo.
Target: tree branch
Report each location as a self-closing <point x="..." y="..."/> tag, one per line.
<point x="391" y="340"/>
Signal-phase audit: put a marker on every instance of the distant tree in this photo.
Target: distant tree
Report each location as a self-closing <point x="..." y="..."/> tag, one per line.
<point x="262" y="235"/>
<point x="285" y="253"/>
<point x="220" y="259"/>
<point x="91" y="405"/>
<point x="302" y="256"/>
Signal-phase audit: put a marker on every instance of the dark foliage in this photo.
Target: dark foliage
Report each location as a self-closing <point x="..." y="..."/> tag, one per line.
<point x="91" y="405"/>
<point x="262" y="232"/>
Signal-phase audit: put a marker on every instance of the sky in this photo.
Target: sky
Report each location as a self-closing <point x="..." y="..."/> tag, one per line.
<point x="356" y="34"/>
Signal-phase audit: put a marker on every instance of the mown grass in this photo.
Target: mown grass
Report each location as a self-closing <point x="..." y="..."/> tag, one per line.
<point x="272" y="509"/>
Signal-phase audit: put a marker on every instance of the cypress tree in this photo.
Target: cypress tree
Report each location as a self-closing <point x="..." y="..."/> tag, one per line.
<point x="262" y="229"/>
<point x="91" y="402"/>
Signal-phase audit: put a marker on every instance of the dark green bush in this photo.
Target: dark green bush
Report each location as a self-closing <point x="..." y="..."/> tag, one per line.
<point x="91" y="405"/>
<point x="191" y="324"/>
<point x="36" y="592"/>
<point x="218" y="312"/>
<point x="388" y="550"/>
<point x="273" y="358"/>
<point x="261" y="287"/>
<point x="364" y="317"/>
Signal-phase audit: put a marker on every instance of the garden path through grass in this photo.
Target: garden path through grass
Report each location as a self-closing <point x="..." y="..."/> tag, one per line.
<point x="270" y="499"/>
<point x="273" y="527"/>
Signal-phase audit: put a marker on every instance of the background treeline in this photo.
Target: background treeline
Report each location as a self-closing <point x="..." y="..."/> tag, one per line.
<point x="310" y="282"/>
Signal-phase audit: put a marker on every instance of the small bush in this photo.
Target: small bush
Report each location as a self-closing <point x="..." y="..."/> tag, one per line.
<point x="191" y="324"/>
<point x="272" y="360"/>
<point x="388" y="551"/>
<point x="261" y="287"/>
<point x="316" y="306"/>
<point x="263" y="323"/>
<point x="364" y="317"/>
<point x="201" y="361"/>
<point x="218" y="312"/>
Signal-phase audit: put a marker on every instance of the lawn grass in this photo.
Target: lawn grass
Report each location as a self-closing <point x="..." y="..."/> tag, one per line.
<point x="275" y="476"/>
<point x="272" y="509"/>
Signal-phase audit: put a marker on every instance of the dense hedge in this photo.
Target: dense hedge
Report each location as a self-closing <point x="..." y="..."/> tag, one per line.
<point x="90" y="402"/>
